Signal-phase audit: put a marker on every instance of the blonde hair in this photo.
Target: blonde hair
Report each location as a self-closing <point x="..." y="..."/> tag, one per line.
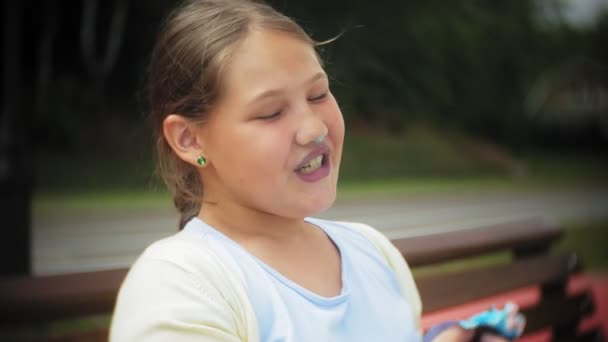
<point x="185" y="74"/>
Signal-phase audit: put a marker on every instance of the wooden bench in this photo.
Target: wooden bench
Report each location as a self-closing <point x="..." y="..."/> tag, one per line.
<point x="531" y="262"/>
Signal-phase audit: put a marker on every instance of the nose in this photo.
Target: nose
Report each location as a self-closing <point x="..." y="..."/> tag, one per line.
<point x="312" y="129"/>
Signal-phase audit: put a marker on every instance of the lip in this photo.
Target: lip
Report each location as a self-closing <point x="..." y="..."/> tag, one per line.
<point x="321" y="150"/>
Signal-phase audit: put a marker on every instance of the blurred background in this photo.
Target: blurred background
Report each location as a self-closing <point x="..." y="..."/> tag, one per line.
<point x="449" y="105"/>
<point x="440" y="99"/>
<point x="465" y="88"/>
<point x="437" y="96"/>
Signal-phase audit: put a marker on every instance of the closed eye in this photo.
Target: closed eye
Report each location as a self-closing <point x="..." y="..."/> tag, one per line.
<point x="318" y="98"/>
<point x="269" y="117"/>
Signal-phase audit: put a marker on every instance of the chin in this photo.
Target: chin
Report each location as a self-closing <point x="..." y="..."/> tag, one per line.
<point x="311" y="207"/>
<point x="318" y="206"/>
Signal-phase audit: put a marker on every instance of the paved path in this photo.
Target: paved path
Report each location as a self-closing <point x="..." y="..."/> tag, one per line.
<point x="73" y="243"/>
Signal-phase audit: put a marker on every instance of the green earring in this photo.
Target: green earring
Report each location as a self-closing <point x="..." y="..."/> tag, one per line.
<point x="201" y="161"/>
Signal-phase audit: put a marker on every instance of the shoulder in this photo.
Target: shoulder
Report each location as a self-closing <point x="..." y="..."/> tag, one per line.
<point x="193" y="250"/>
<point x="180" y="286"/>
<point x="184" y="262"/>
<point x="183" y="250"/>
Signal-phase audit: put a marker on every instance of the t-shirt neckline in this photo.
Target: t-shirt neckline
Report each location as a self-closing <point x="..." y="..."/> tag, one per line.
<point x="304" y="292"/>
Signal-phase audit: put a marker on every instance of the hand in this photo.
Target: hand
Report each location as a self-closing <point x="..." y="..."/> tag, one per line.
<point x="458" y="334"/>
<point x="493" y="338"/>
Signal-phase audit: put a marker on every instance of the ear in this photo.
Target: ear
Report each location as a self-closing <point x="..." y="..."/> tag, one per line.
<point x="183" y="137"/>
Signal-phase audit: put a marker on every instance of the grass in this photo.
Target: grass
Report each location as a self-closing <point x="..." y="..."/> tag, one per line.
<point x="439" y="185"/>
<point x="423" y="160"/>
<point x="81" y="324"/>
<point x="590" y="241"/>
<point x="115" y="200"/>
<point x="120" y="200"/>
<point x="463" y="264"/>
<point x="55" y="331"/>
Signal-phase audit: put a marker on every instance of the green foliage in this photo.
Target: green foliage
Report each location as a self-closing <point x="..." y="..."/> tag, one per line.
<point x="427" y="152"/>
<point x="466" y="66"/>
<point x="419" y="151"/>
<point x="467" y="63"/>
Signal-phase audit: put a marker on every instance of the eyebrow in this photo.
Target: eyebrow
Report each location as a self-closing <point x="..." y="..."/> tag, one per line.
<point x="273" y="92"/>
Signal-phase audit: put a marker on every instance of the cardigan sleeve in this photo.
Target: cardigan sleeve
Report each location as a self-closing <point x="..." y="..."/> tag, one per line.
<point x="161" y="301"/>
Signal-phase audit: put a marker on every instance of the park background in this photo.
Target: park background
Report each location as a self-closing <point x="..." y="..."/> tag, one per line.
<point x="429" y="89"/>
<point x="439" y="98"/>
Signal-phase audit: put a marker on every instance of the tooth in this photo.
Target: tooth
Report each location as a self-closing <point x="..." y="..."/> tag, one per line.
<point x="312" y="165"/>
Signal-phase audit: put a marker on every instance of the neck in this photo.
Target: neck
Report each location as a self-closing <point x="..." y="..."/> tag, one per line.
<point x="242" y="223"/>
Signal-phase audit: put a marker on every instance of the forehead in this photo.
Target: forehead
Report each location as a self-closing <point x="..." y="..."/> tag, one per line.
<point x="268" y="60"/>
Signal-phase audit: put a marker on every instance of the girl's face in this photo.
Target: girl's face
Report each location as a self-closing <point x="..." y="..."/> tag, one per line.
<point x="261" y="139"/>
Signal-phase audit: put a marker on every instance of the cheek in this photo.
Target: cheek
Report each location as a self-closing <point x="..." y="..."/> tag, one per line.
<point x="259" y="151"/>
<point x="335" y="122"/>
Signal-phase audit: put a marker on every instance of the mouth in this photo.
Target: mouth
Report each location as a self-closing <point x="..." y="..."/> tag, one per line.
<point x="313" y="165"/>
<point x="314" y="161"/>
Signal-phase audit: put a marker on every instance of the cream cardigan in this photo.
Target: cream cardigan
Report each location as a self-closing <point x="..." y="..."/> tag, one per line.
<point x="181" y="290"/>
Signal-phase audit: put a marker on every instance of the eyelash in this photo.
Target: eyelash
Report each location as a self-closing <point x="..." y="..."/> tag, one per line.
<point x="274" y="115"/>
<point x="271" y="116"/>
<point x="318" y="98"/>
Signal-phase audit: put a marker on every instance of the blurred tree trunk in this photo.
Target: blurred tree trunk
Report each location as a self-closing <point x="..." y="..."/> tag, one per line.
<point x="48" y="33"/>
<point x="99" y="65"/>
<point x="15" y="165"/>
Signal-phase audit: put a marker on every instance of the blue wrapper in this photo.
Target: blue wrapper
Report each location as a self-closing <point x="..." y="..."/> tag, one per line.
<point x="504" y="322"/>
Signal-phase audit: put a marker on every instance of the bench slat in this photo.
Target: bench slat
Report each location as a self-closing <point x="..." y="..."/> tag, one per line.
<point x="32" y="299"/>
<point x="449" y="289"/>
<point x="429" y="249"/>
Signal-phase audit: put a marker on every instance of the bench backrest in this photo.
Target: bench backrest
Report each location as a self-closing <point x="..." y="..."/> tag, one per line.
<point x="530" y="261"/>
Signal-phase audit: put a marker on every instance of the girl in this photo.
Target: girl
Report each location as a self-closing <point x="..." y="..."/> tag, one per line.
<point x="249" y="141"/>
